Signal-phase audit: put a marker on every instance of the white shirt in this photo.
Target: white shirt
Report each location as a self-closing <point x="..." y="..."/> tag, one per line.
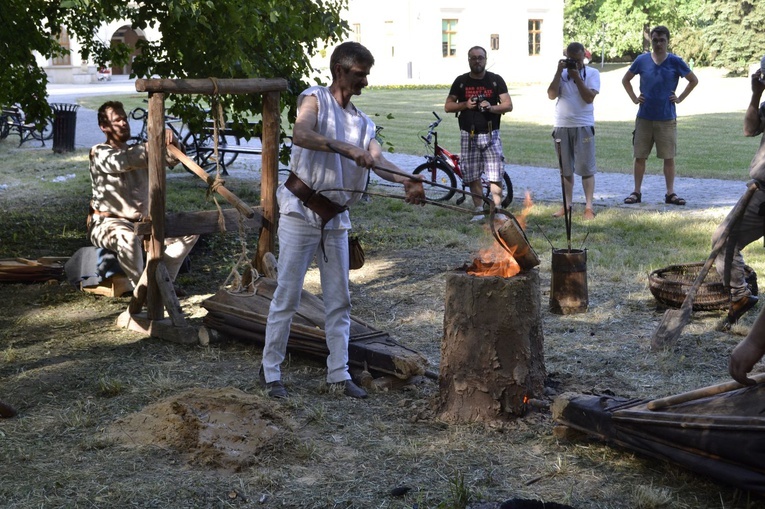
<point x="570" y="109"/>
<point x="326" y="170"/>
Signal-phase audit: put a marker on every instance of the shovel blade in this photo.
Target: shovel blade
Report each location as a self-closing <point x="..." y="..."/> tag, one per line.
<point x="671" y="327"/>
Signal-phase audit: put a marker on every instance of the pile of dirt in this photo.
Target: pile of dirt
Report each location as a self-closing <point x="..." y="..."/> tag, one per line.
<point x="219" y="428"/>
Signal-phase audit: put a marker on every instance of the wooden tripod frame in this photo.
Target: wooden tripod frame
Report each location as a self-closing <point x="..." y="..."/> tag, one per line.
<point x="155" y="289"/>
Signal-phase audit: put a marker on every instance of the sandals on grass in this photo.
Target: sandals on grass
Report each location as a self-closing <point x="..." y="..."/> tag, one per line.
<point x="633" y="198"/>
<point x="673" y="199"/>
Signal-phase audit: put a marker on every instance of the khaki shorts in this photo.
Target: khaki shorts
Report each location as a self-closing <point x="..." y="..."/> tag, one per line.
<point x="662" y="133"/>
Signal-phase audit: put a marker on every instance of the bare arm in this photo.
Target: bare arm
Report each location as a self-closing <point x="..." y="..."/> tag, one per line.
<point x="304" y="135"/>
<point x="505" y="105"/>
<point x="752" y="120"/>
<point x="554" y="89"/>
<point x="588" y="95"/>
<point x="692" y="82"/>
<point x="627" y="84"/>
<point x="454" y="106"/>
<point x="748" y="352"/>
<point x="413" y="189"/>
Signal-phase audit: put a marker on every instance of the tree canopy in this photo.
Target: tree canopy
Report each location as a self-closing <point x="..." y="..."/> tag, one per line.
<point x="200" y="38"/>
<point x="722" y="33"/>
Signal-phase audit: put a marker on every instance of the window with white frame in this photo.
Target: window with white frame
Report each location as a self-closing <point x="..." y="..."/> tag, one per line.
<point x="449" y="37"/>
<point x="535" y="36"/>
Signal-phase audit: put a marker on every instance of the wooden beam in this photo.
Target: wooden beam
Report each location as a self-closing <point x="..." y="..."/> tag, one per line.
<point x="209" y="86"/>
<point x="157" y="200"/>
<point x="269" y="178"/>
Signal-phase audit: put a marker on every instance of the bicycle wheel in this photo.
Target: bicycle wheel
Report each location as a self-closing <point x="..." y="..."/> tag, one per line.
<point x="507" y="190"/>
<point x="46" y="133"/>
<point x="229" y="140"/>
<point x="436" y="172"/>
<point x="203" y="149"/>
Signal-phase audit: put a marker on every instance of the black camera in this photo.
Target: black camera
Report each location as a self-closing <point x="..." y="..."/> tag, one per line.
<point x="571" y="64"/>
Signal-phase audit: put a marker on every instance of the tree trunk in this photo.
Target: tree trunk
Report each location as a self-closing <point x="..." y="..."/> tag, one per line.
<point x="492" y="354"/>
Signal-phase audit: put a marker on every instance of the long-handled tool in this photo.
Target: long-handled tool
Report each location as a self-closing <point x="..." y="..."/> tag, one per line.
<point x="493" y="209"/>
<point x="704" y="392"/>
<point x="676" y="319"/>
<point x="566" y="206"/>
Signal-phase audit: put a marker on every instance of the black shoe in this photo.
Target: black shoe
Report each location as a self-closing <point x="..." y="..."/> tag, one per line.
<point x="350" y="389"/>
<point x="741" y="306"/>
<point x="274" y="389"/>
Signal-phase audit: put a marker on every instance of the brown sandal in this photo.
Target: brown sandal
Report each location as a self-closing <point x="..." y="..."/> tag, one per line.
<point x="673" y="199"/>
<point x="633" y="198"/>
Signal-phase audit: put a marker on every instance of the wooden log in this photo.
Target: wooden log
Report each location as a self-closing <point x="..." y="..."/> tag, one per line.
<point x="492" y="354"/>
<point x="209" y="87"/>
<point x="269" y="178"/>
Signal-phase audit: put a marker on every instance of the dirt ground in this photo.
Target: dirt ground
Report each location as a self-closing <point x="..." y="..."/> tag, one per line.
<point x="108" y="418"/>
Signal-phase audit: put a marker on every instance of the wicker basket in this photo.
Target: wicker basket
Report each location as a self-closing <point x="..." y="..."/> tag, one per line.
<point x="671" y="284"/>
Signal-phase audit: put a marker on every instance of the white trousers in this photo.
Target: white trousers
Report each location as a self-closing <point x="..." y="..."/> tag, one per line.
<point x="299" y="244"/>
<point x="117" y="235"/>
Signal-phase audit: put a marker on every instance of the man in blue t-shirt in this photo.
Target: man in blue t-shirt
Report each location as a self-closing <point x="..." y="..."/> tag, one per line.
<point x="656" y="122"/>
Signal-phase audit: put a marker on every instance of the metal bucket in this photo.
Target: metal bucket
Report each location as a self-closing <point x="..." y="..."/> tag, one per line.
<point x="568" y="292"/>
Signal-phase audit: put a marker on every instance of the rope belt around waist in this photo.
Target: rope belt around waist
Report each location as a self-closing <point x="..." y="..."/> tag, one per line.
<point x="325" y="208"/>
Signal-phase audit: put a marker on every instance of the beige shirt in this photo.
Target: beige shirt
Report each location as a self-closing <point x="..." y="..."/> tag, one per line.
<point x="120" y="180"/>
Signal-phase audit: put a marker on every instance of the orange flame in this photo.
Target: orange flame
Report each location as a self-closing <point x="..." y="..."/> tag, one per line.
<point x="496" y="260"/>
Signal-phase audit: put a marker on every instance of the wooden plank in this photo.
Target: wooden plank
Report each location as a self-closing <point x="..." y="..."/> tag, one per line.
<point x="202" y="222"/>
<point x="209" y="87"/>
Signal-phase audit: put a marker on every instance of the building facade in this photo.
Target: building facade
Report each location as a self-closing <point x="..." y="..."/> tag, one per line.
<point x="414" y="41"/>
<point x="426" y="42"/>
<point x="72" y="69"/>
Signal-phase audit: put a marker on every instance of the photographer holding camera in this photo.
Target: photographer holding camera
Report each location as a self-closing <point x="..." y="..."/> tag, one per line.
<point x="479" y="98"/>
<point x="575" y="87"/>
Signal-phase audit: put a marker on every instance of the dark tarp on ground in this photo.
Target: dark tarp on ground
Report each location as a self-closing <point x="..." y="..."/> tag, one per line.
<point x="720" y="436"/>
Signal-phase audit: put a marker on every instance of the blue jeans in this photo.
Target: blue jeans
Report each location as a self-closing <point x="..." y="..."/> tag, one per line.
<point x="299" y="244"/>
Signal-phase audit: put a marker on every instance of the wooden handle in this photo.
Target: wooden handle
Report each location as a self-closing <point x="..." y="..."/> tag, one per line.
<point x="704" y="392"/>
<point x="233" y="199"/>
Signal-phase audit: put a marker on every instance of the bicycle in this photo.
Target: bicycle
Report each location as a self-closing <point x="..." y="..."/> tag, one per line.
<point x="443" y="167"/>
<point x="13" y="121"/>
<point x="196" y="146"/>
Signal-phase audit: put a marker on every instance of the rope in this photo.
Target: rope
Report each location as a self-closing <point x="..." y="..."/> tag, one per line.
<point x="234" y="283"/>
